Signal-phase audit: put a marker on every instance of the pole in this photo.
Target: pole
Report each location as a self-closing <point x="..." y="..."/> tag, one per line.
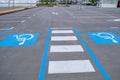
<point x="9" y="3"/>
<point x="13" y="3"/>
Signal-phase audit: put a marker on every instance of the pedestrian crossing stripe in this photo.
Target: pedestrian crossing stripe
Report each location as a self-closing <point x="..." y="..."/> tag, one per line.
<point x="61" y="31"/>
<point x="66" y="48"/>
<point x="70" y="66"/>
<point x="63" y="38"/>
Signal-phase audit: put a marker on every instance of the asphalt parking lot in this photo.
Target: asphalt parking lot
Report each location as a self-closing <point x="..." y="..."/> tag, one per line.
<point x="60" y="43"/>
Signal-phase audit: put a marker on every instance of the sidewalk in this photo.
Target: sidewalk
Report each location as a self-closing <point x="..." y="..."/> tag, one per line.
<point x="11" y="10"/>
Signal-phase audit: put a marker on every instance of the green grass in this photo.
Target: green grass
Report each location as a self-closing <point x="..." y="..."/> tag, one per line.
<point x="48" y="5"/>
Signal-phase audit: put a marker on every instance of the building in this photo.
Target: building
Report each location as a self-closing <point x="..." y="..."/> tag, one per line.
<point x="108" y="3"/>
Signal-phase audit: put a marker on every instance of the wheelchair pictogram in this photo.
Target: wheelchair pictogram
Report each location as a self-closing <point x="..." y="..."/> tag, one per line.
<point x="20" y="39"/>
<point x="106" y="35"/>
<point x="23" y="37"/>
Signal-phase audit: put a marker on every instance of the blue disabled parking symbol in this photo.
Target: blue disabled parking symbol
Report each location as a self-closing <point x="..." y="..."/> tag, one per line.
<point x="25" y="39"/>
<point x="104" y="37"/>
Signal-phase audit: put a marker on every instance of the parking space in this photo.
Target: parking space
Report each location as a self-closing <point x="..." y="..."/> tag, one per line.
<point x="13" y="19"/>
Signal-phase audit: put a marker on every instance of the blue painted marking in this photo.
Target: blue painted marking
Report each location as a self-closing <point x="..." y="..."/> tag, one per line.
<point x="104" y="37"/>
<point x="115" y="29"/>
<point x="96" y="61"/>
<point x="27" y="39"/>
<point x="44" y="59"/>
<point x="5" y="31"/>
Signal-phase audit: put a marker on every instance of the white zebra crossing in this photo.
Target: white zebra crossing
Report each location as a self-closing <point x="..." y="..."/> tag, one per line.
<point x="67" y="66"/>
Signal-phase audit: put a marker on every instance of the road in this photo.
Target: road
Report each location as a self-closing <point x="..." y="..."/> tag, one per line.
<point x="62" y="43"/>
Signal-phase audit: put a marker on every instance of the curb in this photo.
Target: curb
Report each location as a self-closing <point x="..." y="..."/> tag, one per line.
<point x="14" y="10"/>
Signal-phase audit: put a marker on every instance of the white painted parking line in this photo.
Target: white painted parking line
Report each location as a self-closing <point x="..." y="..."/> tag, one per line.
<point x="63" y="38"/>
<point x="62" y="31"/>
<point x="7" y="28"/>
<point x="66" y="48"/>
<point x="55" y="13"/>
<point x="23" y="21"/>
<point x="9" y="21"/>
<point x="62" y="28"/>
<point x="116" y="19"/>
<point x="72" y="66"/>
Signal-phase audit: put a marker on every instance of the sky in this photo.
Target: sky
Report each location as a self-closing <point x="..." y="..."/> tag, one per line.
<point x="19" y="0"/>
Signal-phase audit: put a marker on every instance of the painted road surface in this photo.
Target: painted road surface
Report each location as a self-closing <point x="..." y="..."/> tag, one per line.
<point x="25" y="39"/>
<point x="61" y="47"/>
<point x="104" y="37"/>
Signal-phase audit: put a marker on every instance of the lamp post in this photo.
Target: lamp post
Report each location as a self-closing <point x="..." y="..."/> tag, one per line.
<point x="13" y="3"/>
<point x="9" y="3"/>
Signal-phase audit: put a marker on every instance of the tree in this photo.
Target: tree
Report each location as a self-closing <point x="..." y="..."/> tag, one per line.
<point x="45" y="2"/>
<point x="94" y="2"/>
